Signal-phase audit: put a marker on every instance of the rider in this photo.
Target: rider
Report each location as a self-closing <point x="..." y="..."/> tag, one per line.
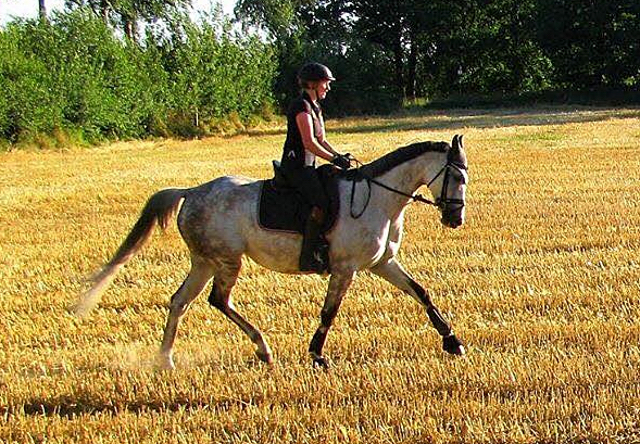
<point x="305" y="141"/>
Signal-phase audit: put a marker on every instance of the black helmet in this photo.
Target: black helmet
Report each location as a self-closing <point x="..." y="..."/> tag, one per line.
<point x="313" y="72"/>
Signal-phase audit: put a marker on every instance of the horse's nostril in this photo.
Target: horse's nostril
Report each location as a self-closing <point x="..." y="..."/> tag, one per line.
<point x="452" y="223"/>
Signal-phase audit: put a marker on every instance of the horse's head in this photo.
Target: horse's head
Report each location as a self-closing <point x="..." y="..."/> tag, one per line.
<point x="450" y="185"/>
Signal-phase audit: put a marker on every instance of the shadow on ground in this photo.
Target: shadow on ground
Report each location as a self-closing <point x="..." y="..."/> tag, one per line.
<point x="469" y="118"/>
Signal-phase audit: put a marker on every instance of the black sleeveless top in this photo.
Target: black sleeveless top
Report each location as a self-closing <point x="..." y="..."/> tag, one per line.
<point x="293" y="155"/>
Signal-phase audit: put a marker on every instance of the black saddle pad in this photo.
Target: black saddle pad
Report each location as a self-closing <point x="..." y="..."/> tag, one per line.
<point x="282" y="208"/>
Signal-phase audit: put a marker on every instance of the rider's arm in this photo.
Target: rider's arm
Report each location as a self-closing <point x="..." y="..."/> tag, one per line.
<point x="327" y="146"/>
<point x="305" y="124"/>
<point x="322" y="140"/>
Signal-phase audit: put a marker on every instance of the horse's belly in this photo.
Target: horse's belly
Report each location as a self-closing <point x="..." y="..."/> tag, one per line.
<point x="274" y="250"/>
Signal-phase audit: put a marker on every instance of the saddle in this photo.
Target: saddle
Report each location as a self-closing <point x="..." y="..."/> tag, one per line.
<point x="282" y="208"/>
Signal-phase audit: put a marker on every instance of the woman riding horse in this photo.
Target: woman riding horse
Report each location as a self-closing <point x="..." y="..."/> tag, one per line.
<point x="305" y="140"/>
<point x="218" y="221"/>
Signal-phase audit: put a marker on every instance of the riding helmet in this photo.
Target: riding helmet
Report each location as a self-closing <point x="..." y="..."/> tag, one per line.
<point x="313" y="72"/>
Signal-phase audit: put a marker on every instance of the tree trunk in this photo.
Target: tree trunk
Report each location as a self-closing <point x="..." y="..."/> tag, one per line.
<point x="130" y="29"/>
<point x="42" y="10"/>
<point x="410" y="86"/>
<point x="104" y="11"/>
<point x="398" y="64"/>
<point x="398" y="50"/>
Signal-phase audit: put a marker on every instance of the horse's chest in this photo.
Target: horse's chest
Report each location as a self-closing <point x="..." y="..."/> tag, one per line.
<point x="367" y="241"/>
<point x="371" y="244"/>
<point x="387" y="240"/>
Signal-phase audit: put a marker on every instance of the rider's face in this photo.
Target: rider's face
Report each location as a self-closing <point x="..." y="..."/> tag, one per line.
<point x="322" y="87"/>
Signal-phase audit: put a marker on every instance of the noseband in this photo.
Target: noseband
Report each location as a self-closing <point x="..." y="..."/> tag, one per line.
<point x="441" y="202"/>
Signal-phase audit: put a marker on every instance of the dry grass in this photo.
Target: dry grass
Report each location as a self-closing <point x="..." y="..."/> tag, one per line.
<point x="542" y="284"/>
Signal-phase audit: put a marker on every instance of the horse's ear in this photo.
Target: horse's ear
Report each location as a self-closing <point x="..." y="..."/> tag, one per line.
<point x="456" y="153"/>
<point x="457" y="142"/>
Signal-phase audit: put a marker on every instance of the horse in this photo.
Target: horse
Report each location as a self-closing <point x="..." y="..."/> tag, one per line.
<point x="219" y="223"/>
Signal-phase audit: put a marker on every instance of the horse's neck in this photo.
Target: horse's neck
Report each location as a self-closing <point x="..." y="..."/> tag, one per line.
<point x="407" y="178"/>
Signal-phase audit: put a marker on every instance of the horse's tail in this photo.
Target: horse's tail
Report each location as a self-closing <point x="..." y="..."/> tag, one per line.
<point x="160" y="209"/>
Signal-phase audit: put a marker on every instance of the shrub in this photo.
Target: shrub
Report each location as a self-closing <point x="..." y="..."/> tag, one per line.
<point x="75" y="75"/>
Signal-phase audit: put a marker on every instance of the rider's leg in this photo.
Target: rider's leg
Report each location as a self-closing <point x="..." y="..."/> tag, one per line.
<point x="314" y="255"/>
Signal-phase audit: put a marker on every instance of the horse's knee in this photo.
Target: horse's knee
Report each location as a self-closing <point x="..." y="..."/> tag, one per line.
<point x="330" y="311"/>
<point x="177" y="293"/>
<point x="178" y="307"/>
<point x="420" y="293"/>
<point x="327" y="317"/>
<point x="218" y="298"/>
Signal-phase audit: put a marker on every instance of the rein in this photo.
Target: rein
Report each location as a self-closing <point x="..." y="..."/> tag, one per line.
<point x="440" y="202"/>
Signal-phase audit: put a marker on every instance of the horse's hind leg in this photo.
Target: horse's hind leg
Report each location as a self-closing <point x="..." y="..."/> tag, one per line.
<point x="338" y="286"/>
<point x="200" y="273"/>
<point x="220" y="298"/>
<point x="393" y="272"/>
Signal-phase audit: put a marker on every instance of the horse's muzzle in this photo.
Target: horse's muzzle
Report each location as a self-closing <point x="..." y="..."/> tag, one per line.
<point x="453" y="219"/>
<point x="452" y="223"/>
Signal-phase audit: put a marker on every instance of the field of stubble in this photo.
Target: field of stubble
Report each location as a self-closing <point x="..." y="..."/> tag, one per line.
<point x="542" y="284"/>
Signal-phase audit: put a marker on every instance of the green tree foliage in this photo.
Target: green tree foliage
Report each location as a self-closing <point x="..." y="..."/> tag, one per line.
<point x="482" y="47"/>
<point x="278" y="18"/>
<point x="128" y="13"/>
<point x="322" y="31"/>
<point x="183" y="77"/>
<point x="213" y="73"/>
<point x="73" y="74"/>
<point x="365" y="78"/>
<point x="385" y="50"/>
<point x="591" y="43"/>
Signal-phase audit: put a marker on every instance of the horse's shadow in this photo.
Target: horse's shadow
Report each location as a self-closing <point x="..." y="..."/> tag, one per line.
<point x="72" y="406"/>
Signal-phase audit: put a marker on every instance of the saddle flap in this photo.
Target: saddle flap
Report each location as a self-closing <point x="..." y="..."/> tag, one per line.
<point x="282" y="208"/>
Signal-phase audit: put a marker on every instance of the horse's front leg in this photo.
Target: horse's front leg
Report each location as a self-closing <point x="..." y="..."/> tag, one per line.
<point x="338" y="285"/>
<point x="393" y="272"/>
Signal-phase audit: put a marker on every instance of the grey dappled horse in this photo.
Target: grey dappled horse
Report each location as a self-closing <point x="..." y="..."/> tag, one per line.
<point x="219" y="222"/>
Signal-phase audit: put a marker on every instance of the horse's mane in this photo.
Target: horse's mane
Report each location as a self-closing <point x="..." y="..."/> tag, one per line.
<point x="399" y="156"/>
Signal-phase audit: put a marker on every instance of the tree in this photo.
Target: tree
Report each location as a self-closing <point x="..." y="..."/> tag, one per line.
<point x="404" y="29"/>
<point x="280" y="21"/>
<point x="383" y="22"/>
<point x="127" y="13"/>
<point x="592" y="42"/>
<point x="277" y="17"/>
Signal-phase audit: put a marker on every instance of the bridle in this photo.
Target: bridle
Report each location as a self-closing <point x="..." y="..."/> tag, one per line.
<point x="444" y="201"/>
<point x="441" y="202"/>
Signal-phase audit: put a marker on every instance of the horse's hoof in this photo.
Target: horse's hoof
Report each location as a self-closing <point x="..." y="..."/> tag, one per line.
<point x="453" y="346"/>
<point x="165" y="363"/>
<point x="264" y="357"/>
<point x="321" y="362"/>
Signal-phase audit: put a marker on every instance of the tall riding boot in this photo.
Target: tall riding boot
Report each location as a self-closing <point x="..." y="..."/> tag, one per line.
<point x="315" y="250"/>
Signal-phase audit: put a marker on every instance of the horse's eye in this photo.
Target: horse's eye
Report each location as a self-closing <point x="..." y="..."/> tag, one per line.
<point x="460" y="176"/>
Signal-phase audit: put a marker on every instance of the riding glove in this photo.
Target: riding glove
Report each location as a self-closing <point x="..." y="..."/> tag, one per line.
<point x="341" y="161"/>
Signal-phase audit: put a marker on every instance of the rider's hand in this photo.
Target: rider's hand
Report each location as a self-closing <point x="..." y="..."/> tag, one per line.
<point x="341" y="161"/>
